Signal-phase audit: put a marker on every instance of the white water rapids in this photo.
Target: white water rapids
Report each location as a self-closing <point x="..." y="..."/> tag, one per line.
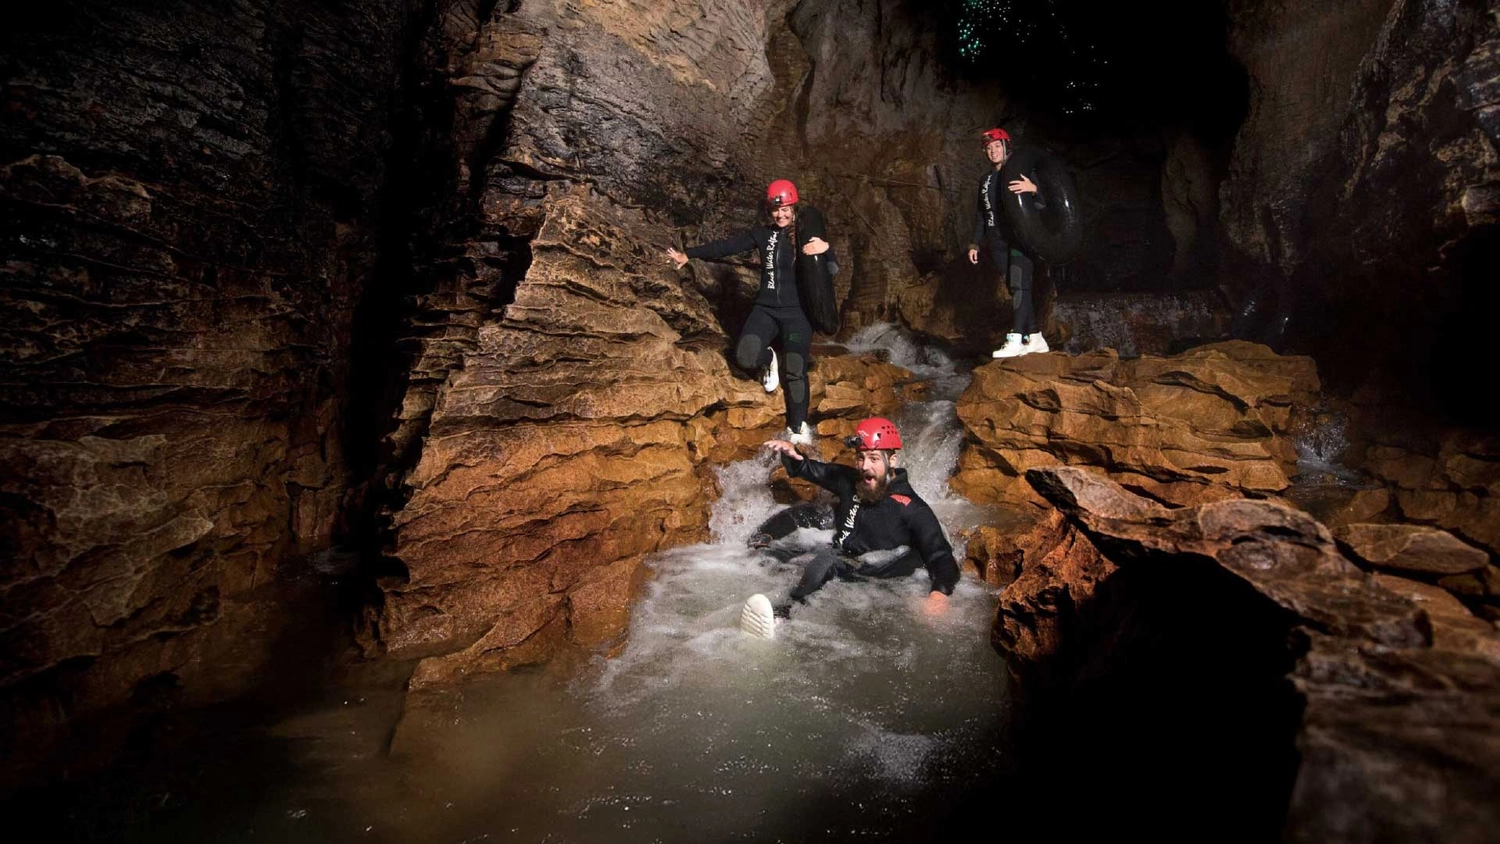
<point x="862" y="719"/>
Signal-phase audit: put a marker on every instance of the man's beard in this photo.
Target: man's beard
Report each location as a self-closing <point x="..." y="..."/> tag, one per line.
<point x="871" y="487"/>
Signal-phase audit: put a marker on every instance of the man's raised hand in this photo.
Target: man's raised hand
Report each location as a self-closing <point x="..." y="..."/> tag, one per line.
<point x="784" y="447"/>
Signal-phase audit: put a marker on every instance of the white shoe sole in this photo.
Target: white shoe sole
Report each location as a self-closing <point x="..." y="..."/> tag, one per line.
<point x="772" y="379"/>
<point x="757" y="619"/>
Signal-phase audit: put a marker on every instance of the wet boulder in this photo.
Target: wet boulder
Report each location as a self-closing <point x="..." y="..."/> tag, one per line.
<point x="1410" y="549"/>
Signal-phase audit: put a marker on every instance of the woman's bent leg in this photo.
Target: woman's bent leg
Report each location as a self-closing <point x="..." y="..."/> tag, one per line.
<point x="796" y="334"/>
<point x="753" y="351"/>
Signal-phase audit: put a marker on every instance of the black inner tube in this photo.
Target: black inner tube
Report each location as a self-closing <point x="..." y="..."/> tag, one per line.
<point x="1052" y="229"/>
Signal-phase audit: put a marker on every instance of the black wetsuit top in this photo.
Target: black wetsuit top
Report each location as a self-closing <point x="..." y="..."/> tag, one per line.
<point x="899" y="519"/>
<point x="778" y="277"/>
<point x="990" y="221"/>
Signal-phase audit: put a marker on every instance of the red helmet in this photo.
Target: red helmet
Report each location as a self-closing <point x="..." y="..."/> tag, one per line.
<point x="876" y="433"/>
<point x="989" y="136"/>
<point x="781" y="192"/>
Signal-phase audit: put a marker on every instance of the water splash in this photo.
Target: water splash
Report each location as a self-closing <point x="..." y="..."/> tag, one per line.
<point x="1321" y="437"/>
<point x="926" y="362"/>
<point x="744" y="502"/>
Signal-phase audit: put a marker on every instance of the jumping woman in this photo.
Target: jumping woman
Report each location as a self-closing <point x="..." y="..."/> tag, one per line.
<point x="778" y="309"/>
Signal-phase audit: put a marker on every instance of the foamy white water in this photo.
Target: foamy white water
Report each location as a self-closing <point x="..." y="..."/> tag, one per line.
<point x="858" y="694"/>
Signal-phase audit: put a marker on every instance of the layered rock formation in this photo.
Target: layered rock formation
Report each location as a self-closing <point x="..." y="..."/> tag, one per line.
<point x="189" y="214"/>
<point x="1397" y="688"/>
<point x="1208" y="424"/>
<point x="1453" y="483"/>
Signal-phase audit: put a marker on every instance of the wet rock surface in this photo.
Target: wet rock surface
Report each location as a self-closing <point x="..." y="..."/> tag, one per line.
<point x="1410" y="548"/>
<point x="1136" y="323"/>
<point x="1449" y="480"/>
<point x="1204" y="425"/>
<point x="1390" y="689"/>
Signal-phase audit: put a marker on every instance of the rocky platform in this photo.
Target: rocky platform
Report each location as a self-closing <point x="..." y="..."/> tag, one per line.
<point x="1208" y="424"/>
<point x="1234" y="650"/>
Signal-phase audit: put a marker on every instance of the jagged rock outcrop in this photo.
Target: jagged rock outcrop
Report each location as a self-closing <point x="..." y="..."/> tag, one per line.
<point x="1410" y="549"/>
<point x="1397" y="686"/>
<point x="1208" y="424"/>
<point x="190" y="211"/>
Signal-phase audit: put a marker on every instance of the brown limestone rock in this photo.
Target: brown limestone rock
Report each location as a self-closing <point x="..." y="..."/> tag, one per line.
<point x="1037" y="622"/>
<point x="998" y="551"/>
<point x="1481" y="588"/>
<point x="1201" y="426"/>
<point x="1452" y="483"/>
<point x="558" y="446"/>
<point x="1399" y="698"/>
<point x="1410" y="548"/>
<point x="1454" y="628"/>
<point x="190" y="225"/>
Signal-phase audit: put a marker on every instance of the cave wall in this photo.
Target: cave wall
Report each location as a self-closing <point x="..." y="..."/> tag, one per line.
<point x="190" y="201"/>
<point x="1361" y="198"/>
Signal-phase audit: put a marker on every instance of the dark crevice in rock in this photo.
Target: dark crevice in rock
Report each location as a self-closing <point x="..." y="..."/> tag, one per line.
<point x="1261" y="673"/>
<point x="380" y="366"/>
<point x="1177" y="712"/>
<point x="440" y="265"/>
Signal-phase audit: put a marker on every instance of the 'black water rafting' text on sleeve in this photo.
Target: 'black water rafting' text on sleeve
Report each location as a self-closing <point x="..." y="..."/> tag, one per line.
<point x="778" y="261"/>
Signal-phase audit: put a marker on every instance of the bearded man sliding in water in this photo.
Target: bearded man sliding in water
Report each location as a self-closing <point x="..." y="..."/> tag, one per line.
<point x="881" y="528"/>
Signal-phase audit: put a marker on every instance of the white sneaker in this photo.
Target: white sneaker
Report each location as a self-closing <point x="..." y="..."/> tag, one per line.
<point x="1012" y="347"/>
<point x="757" y="619"/>
<point x="1035" y="343"/>
<point x="771" y="379"/>
<point x="801" y="436"/>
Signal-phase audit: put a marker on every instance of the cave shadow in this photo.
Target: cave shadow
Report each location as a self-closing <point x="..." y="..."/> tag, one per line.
<point x="161" y="768"/>
<point x="1167" y="711"/>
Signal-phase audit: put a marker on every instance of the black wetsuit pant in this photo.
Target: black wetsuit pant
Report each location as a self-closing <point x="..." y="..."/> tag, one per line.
<point x="753" y="353"/>
<point x="1018" y="270"/>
